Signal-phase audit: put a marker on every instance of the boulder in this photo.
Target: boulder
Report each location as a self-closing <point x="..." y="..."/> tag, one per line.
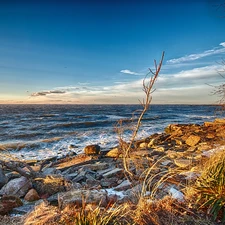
<point x="78" y="197"/>
<point x="32" y="195"/>
<point x="7" y="203"/>
<point x="92" y="150"/>
<point x="17" y="187"/>
<point x="193" y="140"/>
<point x="3" y="178"/>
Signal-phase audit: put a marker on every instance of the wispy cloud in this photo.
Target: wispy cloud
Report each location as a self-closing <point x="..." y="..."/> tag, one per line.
<point x="184" y="86"/>
<point x="44" y="93"/>
<point x="130" y="72"/>
<point x="196" y="56"/>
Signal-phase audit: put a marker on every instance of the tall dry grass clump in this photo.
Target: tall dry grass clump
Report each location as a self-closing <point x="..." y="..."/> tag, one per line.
<point x="210" y="187"/>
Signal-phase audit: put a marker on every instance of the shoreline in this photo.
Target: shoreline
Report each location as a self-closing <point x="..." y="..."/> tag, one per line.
<point x="181" y="148"/>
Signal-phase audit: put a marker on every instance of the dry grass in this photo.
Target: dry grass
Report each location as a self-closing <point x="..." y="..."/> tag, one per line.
<point x="209" y="189"/>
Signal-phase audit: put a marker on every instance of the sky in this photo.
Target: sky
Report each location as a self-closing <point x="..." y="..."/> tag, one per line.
<point x="99" y="52"/>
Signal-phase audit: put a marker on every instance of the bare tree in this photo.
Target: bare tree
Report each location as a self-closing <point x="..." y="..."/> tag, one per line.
<point x="145" y="103"/>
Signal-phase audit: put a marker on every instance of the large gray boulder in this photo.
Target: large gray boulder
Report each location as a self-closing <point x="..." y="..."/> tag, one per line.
<point x="16" y="187"/>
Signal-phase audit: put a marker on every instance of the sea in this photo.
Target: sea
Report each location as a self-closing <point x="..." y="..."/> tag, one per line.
<point x="38" y="132"/>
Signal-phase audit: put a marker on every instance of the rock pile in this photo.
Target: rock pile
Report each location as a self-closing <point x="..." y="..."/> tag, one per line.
<point x="98" y="177"/>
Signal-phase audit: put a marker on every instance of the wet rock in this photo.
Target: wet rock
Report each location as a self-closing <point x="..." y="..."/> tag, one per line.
<point x="32" y="195"/>
<point x="3" y="178"/>
<point x="17" y="187"/>
<point x="92" y="150"/>
<point x="193" y="140"/>
<point x="76" y="198"/>
<point x="7" y="203"/>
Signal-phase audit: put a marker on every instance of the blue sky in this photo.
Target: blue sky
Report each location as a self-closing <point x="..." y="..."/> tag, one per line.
<point x="99" y="51"/>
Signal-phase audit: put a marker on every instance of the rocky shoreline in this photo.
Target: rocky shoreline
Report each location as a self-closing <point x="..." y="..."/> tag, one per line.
<point x="162" y="164"/>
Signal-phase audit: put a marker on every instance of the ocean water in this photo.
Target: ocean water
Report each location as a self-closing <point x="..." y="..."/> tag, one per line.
<point x="43" y="131"/>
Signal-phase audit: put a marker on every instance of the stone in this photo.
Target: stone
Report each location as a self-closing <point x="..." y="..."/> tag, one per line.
<point x="93" y="183"/>
<point x="134" y="193"/>
<point x="3" y="178"/>
<point x="50" y="185"/>
<point x="17" y="187"/>
<point x="176" y="194"/>
<point x="183" y="163"/>
<point x="71" y="176"/>
<point x="78" y="197"/>
<point x="117" y="172"/>
<point x="22" y="210"/>
<point x="210" y="136"/>
<point x="191" y="149"/>
<point x="217" y="120"/>
<point x="141" y="153"/>
<point x="7" y="203"/>
<point x="32" y="195"/>
<point x="208" y="124"/>
<point x="193" y="140"/>
<point x="143" y="145"/>
<point x="109" y="182"/>
<point x="160" y="149"/>
<point x="166" y="162"/>
<point x="151" y="143"/>
<point x="179" y="141"/>
<point x="173" y="154"/>
<point x="50" y="170"/>
<point x="126" y="184"/>
<point x="92" y="150"/>
<point x="53" y="199"/>
<point x="114" y="153"/>
<point x="96" y="166"/>
<point x="190" y="175"/>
